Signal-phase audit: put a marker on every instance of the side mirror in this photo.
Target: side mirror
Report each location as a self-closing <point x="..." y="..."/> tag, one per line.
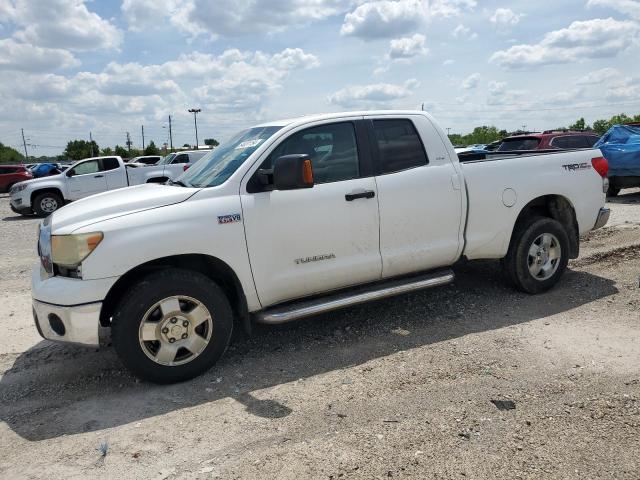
<point x="291" y="172"/>
<point x="69" y="173"/>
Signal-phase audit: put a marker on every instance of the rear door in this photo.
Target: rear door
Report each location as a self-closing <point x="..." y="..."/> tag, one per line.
<point x="309" y="241"/>
<point x="115" y="173"/>
<point x="419" y="193"/>
<point x="85" y="179"/>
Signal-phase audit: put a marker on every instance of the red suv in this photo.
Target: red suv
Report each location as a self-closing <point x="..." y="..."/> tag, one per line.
<point x="10" y="174"/>
<point x="549" y="140"/>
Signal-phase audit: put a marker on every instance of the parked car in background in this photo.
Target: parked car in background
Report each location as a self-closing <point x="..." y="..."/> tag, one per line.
<point x="549" y="140"/>
<point x="12" y="174"/>
<point x="621" y="147"/>
<point x="45" y="195"/>
<point x="298" y="217"/>
<point x="146" y="160"/>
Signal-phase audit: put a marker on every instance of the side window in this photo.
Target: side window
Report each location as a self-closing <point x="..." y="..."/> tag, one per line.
<point x="87" y="167"/>
<point x="590" y="140"/>
<point x="110" y="163"/>
<point x="399" y="145"/>
<point x="332" y="148"/>
<point x="567" y="142"/>
<point x="182" y="158"/>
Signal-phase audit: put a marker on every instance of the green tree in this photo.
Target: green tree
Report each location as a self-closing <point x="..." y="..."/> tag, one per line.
<point x="601" y="126"/>
<point x="152" y="149"/>
<point x="211" y="141"/>
<point x="579" y="125"/>
<point x="121" y="151"/>
<point x="106" y="151"/>
<point x="79" y="149"/>
<point x="10" y="155"/>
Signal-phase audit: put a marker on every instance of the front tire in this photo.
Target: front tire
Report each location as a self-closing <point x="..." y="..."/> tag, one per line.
<point x="172" y="326"/>
<point x="46" y="203"/>
<point x="538" y="255"/>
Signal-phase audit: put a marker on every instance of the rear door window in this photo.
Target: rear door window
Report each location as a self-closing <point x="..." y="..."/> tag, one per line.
<point x="110" y="163"/>
<point x="181" y="158"/>
<point x="569" y="142"/>
<point x="399" y="145"/>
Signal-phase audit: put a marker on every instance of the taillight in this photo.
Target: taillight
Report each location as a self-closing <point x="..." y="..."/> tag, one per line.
<point x="186" y="167"/>
<point x="601" y="166"/>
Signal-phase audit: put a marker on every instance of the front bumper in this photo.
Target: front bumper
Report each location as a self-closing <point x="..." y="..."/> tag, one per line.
<point x="603" y="218"/>
<point x="76" y="324"/>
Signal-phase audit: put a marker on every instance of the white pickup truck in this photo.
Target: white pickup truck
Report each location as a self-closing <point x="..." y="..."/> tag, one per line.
<point x="90" y="176"/>
<point x="297" y="217"/>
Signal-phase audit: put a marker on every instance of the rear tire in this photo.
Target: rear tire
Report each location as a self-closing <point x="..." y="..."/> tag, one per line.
<point x="46" y="203"/>
<point x="538" y="255"/>
<point x="174" y="299"/>
<point x="612" y="191"/>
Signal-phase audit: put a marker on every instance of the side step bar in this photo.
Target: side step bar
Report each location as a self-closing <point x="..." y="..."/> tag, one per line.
<point x="306" y="308"/>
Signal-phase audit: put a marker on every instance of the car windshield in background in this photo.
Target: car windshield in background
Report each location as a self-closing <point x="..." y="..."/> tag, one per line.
<point x="214" y="168"/>
<point x="511" y="144"/>
<point x="166" y="160"/>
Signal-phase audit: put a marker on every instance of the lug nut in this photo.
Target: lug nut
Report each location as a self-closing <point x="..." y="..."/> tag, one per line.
<point x="171" y="340"/>
<point x="184" y="335"/>
<point x="185" y="324"/>
<point x="165" y="330"/>
<point x="174" y="320"/>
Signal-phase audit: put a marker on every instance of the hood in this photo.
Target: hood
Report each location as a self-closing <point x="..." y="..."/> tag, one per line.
<point x="41" y="179"/>
<point x="116" y="203"/>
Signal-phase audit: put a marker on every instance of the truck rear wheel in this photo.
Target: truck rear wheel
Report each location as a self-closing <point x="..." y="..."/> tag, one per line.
<point x="46" y="203"/>
<point x="538" y="255"/>
<point x="172" y="326"/>
<point x="612" y="191"/>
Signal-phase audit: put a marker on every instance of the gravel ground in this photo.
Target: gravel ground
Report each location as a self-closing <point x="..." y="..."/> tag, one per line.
<point x="398" y="388"/>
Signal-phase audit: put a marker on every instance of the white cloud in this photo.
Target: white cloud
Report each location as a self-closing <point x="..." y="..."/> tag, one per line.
<point x="64" y="24"/>
<point x="598" y="38"/>
<point x="627" y="7"/>
<point x="294" y="58"/>
<point x="462" y="31"/>
<point x="505" y="18"/>
<point x="451" y="8"/>
<point x="471" y="82"/>
<point x="624" y="91"/>
<point x="384" y="18"/>
<point x="146" y="14"/>
<point x="27" y="58"/>
<point x="378" y="94"/>
<point x="599" y="76"/>
<point x="407" y="47"/>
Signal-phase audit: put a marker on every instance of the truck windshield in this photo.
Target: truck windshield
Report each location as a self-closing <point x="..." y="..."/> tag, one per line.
<point x="166" y="160"/>
<point x="217" y="166"/>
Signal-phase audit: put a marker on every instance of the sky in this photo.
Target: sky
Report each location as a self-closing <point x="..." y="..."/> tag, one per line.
<point x="69" y="68"/>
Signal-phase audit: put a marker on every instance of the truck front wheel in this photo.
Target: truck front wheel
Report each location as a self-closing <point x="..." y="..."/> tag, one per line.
<point x="46" y="203"/>
<point x="172" y="326"/>
<point x="538" y="255"/>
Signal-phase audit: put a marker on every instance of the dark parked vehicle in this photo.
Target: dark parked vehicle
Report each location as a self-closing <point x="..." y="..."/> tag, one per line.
<point x="147" y="159"/>
<point x="549" y="140"/>
<point x="10" y="174"/>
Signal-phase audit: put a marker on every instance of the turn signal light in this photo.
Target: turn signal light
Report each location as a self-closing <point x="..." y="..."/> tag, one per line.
<point x="601" y="166"/>
<point x="307" y="172"/>
<point x="186" y="167"/>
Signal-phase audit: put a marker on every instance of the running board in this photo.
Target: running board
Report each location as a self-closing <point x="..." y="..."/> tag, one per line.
<point x="307" y="308"/>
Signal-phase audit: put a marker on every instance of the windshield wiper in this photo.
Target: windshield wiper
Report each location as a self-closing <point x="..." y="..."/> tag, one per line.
<point x="178" y="182"/>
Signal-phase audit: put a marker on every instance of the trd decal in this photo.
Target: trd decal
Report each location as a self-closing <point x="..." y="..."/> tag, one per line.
<point x="315" y="258"/>
<point x="577" y="166"/>
<point x="234" y="217"/>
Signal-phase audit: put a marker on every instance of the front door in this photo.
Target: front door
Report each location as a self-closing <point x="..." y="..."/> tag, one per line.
<point x="86" y="179"/>
<point x="309" y="241"/>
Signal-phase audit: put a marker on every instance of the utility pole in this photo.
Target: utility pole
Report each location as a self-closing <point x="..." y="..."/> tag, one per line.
<point x="195" y="112"/>
<point x="448" y="131"/>
<point x="142" y="138"/>
<point x="129" y="142"/>
<point x="24" y="142"/>
<point x="170" y="134"/>
<point x="91" y="143"/>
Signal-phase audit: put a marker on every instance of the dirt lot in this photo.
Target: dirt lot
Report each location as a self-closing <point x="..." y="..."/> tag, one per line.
<point x="399" y="388"/>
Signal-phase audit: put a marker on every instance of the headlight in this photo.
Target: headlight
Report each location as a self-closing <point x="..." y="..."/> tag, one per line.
<point x="18" y="188"/>
<point x="70" y="250"/>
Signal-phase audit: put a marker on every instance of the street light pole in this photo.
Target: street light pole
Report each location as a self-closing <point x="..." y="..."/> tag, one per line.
<point x="195" y="112"/>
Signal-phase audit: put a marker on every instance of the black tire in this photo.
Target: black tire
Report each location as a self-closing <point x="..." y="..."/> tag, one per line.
<point x="41" y="201"/>
<point x="612" y="191"/>
<point x="516" y="263"/>
<point x="144" y="295"/>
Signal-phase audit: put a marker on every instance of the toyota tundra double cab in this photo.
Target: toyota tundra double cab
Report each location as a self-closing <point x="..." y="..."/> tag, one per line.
<point x="292" y="218"/>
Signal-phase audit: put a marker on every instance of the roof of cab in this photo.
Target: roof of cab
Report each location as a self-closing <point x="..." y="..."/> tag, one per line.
<point x="328" y="116"/>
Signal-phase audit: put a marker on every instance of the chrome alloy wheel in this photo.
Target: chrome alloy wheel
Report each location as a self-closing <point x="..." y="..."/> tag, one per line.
<point x="49" y="204"/>
<point x="544" y="256"/>
<point x="175" y="330"/>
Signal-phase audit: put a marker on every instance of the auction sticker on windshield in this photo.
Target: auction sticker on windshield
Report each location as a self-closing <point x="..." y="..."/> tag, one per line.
<point x="249" y="144"/>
